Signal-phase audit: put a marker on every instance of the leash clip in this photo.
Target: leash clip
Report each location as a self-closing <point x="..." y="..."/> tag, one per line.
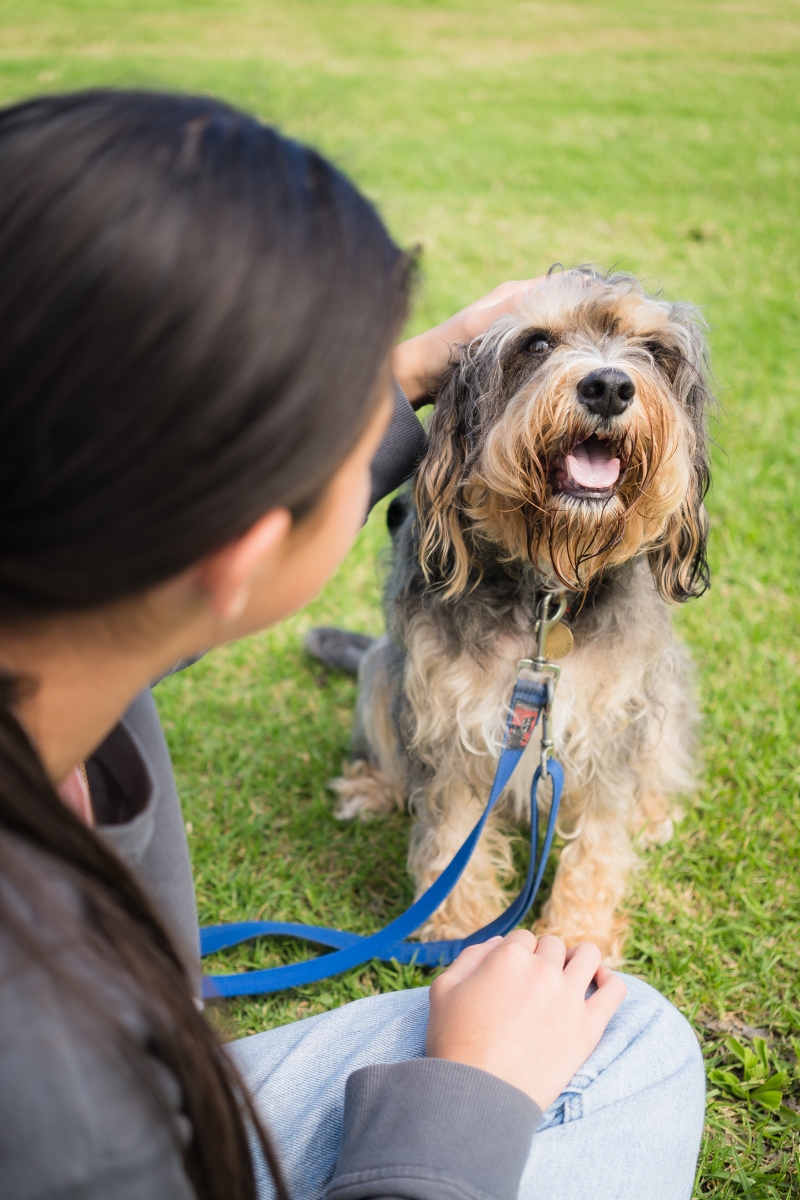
<point x="545" y="623"/>
<point x="540" y="666"/>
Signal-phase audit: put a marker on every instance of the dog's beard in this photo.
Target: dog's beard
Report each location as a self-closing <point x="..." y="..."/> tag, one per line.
<point x="573" y="494"/>
<point x="523" y="467"/>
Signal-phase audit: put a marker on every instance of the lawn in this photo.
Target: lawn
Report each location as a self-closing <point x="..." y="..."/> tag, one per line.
<point x="501" y="137"/>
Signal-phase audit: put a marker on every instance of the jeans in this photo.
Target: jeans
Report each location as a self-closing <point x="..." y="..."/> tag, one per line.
<point x="627" y="1127"/>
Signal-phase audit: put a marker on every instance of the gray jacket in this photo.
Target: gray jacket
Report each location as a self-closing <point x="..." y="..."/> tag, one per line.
<point x="73" y="1122"/>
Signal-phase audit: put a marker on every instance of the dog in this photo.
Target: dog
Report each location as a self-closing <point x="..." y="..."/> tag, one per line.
<point x="567" y="456"/>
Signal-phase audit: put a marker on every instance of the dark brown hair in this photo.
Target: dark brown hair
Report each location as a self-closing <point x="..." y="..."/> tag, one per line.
<point x="194" y="313"/>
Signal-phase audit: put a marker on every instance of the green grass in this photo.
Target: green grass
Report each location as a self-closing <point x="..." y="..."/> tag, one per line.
<point x="502" y="137"/>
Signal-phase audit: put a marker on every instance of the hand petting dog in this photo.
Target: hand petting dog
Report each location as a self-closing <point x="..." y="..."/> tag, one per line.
<point x="420" y="362"/>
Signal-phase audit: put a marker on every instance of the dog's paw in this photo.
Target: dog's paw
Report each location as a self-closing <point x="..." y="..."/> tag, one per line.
<point x="654" y="821"/>
<point x="350" y="807"/>
<point x="362" y="792"/>
<point x="657" y="833"/>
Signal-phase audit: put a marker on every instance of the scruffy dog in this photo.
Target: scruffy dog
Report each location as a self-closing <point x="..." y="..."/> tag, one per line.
<point x="567" y="455"/>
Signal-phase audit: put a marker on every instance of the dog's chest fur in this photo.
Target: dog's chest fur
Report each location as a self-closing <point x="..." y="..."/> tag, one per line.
<point x="453" y="663"/>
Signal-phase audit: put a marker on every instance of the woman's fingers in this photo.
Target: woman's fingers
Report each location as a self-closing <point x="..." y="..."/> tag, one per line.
<point x="511" y="291"/>
<point x="420" y="361"/>
<point x="477" y="318"/>
<point x="519" y="1012"/>
<point x="552" y="948"/>
<point x="523" y="937"/>
<point x="467" y="962"/>
<point x="582" y="963"/>
<point x="611" y="991"/>
<point x="470" y="959"/>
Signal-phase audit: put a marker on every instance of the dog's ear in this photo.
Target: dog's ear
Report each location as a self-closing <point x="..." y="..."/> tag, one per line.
<point x="679" y="563"/>
<point x="443" y="552"/>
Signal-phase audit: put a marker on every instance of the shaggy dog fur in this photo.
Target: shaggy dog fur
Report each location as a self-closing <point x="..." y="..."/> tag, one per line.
<point x="590" y="372"/>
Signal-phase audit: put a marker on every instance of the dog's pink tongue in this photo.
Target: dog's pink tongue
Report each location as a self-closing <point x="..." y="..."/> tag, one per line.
<point x="591" y="466"/>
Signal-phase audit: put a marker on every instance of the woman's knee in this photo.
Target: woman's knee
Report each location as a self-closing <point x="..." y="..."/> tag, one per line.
<point x="630" y="1121"/>
<point x="648" y="1045"/>
<point x="660" y="1023"/>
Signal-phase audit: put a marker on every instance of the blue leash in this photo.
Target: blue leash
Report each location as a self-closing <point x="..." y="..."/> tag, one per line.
<point x="529" y="700"/>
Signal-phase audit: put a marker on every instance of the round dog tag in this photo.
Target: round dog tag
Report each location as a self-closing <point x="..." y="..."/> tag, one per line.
<point x="559" y="641"/>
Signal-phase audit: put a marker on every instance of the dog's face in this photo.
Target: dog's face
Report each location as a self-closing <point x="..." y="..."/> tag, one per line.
<point x="572" y="435"/>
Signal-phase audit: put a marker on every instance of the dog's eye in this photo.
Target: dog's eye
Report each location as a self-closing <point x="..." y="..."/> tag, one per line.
<point x="663" y="356"/>
<point x="539" y="344"/>
<point x="659" y="351"/>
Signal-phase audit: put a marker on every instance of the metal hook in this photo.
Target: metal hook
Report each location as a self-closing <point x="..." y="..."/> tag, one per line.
<point x="545" y="623"/>
<point x="546" y="743"/>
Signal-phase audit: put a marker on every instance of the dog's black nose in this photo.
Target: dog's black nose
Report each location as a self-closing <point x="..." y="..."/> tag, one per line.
<point x="607" y="392"/>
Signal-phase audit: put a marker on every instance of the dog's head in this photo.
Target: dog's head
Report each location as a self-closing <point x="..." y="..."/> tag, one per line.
<point x="572" y="434"/>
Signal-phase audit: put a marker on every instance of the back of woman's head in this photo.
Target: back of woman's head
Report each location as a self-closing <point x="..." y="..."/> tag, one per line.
<point x="194" y="311"/>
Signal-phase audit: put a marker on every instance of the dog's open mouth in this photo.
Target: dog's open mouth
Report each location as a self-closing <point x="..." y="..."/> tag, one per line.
<point x="590" y="471"/>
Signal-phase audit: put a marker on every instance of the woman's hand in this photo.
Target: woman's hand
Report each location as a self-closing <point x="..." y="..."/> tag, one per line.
<point x="421" y="361"/>
<point x="515" y="1007"/>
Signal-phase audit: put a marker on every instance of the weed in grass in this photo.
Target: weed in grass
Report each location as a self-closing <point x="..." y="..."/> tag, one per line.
<point x="753" y="1116"/>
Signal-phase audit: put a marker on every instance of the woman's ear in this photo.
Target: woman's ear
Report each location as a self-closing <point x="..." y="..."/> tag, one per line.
<point x="226" y="575"/>
<point x="443" y="552"/>
<point x="679" y="563"/>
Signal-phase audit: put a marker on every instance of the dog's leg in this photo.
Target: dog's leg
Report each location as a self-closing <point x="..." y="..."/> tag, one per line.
<point x="374" y="781"/>
<point x="450" y="783"/>
<point x="599" y="726"/>
<point x="625" y="795"/>
<point x="478" y="897"/>
<point x="670" y="769"/>
<point x="590" y="885"/>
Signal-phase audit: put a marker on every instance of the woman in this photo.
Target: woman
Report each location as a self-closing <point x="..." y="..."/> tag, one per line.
<point x="195" y="376"/>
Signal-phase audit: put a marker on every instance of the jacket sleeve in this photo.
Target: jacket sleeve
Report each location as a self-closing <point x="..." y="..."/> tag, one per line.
<point x="399" y="454"/>
<point x="430" y="1129"/>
